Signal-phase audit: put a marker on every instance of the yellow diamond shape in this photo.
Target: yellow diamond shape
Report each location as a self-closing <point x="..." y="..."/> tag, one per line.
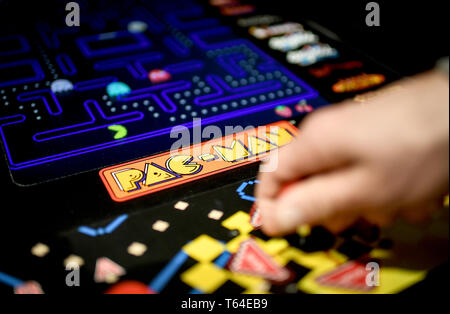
<point x="204" y="248"/>
<point x="205" y="277"/>
<point x="275" y="246"/>
<point x="239" y="221"/>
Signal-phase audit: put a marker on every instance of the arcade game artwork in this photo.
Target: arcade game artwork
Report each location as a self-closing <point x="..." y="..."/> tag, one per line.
<point x="86" y="117"/>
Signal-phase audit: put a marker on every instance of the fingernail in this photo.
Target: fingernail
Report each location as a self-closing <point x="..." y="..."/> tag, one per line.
<point x="288" y="217"/>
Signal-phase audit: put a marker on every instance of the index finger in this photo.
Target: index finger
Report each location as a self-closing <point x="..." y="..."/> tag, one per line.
<point x="319" y="147"/>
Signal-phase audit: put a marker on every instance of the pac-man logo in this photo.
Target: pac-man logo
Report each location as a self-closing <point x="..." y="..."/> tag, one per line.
<point x="166" y="170"/>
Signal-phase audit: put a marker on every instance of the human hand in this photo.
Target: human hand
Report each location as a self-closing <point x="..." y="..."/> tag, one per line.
<point x="380" y="160"/>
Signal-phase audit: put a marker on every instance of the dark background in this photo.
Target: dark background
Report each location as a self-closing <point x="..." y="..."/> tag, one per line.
<point x="411" y="37"/>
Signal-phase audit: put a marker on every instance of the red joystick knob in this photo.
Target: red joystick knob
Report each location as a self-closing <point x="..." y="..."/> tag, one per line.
<point x="130" y="287"/>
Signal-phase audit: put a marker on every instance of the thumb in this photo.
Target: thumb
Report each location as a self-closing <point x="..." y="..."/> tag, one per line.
<point x="320" y="199"/>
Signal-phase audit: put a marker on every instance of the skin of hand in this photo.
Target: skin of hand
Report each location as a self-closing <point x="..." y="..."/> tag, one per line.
<point x="379" y="160"/>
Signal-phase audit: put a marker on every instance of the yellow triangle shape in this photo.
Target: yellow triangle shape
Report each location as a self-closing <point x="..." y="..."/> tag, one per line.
<point x="156" y="175"/>
<point x="236" y="152"/>
<point x="280" y="136"/>
<point x="259" y="146"/>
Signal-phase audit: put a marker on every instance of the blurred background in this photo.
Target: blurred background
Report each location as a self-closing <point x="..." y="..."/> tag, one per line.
<point x="411" y="37"/>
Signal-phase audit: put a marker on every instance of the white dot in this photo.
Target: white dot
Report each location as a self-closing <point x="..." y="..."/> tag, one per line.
<point x="215" y="214"/>
<point x="137" y="27"/>
<point x="137" y="249"/>
<point x="160" y="226"/>
<point x="181" y="205"/>
<point x="40" y="250"/>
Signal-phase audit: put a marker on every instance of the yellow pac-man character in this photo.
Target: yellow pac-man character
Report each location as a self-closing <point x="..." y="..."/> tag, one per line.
<point x="128" y="179"/>
<point x="183" y="165"/>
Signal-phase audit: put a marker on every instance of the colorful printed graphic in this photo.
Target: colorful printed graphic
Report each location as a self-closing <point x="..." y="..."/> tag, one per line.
<point x="284" y="111"/>
<point x="327" y="69"/>
<point x="312" y="54"/>
<point x="258" y="20"/>
<point x="152" y="174"/>
<point x="264" y="32"/>
<point x="293" y="41"/>
<point x="358" y="83"/>
<point x="350" y="276"/>
<point x="159" y="76"/>
<point x="236" y="10"/>
<point x="304" y="108"/>
<point x="251" y="260"/>
<point x="117" y="89"/>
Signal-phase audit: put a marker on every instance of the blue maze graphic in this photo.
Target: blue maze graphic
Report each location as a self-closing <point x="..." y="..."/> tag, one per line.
<point x="214" y="75"/>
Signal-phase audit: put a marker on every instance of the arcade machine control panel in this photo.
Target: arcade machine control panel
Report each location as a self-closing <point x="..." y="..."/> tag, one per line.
<point x="87" y="116"/>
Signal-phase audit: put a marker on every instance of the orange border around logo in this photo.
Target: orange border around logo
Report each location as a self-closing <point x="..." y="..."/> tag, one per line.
<point x="166" y="170"/>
